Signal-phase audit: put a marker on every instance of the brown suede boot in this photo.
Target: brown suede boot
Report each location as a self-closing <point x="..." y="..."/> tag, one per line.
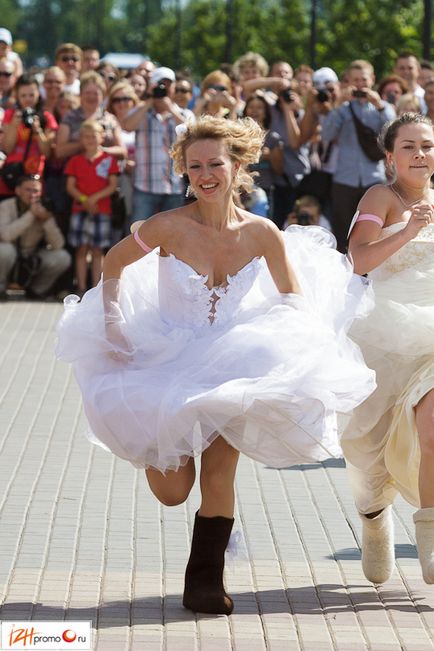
<point x="204" y="591"/>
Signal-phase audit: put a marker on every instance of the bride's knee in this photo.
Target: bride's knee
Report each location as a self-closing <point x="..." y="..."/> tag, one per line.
<point x="425" y="423"/>
<point x="170" y="498"/>
<point x="174" y="488"/>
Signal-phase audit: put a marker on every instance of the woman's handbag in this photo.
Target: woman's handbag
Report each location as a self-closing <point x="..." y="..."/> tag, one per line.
<point x="367" y="138"/>
<point x="119" y="210"/>
<point x="25" y="269"/>
<point x="11" y="173"/>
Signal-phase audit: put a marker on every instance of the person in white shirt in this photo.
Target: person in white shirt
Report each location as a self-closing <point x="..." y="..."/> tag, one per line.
<point x="407" y="66"/>
<point x="68" y="57"/>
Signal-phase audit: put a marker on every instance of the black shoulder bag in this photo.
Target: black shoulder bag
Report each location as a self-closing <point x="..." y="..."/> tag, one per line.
<point x="367" y="138"/>
<point x="12" y="172"/>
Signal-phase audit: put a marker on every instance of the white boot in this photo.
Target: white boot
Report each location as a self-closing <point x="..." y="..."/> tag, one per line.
<point x="424" y="521"/>
<point x="378" y="552"/>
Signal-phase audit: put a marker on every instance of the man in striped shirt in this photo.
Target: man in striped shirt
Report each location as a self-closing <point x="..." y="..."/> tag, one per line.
<point x="156" y="186"/>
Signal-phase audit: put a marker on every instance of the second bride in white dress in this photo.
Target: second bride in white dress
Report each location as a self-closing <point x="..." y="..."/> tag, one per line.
<point x="389" y="442"/>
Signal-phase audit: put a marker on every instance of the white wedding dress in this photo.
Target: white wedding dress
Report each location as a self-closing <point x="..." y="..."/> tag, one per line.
<point x="397" y="340"/>
<point x="266" y="372"/>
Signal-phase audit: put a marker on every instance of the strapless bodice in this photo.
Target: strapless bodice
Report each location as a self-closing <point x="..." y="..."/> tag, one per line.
<point x="418" y="254"/>
<point x="187" y="302"/>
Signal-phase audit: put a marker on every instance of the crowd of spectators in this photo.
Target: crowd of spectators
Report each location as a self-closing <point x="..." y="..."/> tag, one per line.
<point x="85" y="149"/>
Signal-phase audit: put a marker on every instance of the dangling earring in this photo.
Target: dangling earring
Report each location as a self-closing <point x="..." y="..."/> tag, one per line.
<point x="390" y="170"/>
<point x="189" y="192"/>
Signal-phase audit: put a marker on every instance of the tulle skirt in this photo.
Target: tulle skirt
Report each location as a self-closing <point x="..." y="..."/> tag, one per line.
<point x="271" y="379"/>
<point x="397" y="342"/>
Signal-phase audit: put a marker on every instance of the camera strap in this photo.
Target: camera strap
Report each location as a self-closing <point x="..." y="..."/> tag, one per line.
<point x="27" y="149"/>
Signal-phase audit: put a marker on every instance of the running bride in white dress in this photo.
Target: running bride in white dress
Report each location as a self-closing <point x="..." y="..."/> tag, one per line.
<point x="389" y="443"/>
<point x="212" y="334"/>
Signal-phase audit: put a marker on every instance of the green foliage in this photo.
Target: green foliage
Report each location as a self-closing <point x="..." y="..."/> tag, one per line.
<point x="368" y="29"/>
<point x="197" y="36"/>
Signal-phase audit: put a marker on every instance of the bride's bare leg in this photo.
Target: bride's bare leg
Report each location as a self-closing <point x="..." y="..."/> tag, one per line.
<point x="174" y="487"/>
<point x="217" y="475"/>
<point x="425" y="428"/>
<point x="204" y="590"/>
<point x="424" y="518"/>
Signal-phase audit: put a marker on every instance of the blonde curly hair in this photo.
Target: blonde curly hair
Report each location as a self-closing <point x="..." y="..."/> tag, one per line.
<point x="243" y="138"/>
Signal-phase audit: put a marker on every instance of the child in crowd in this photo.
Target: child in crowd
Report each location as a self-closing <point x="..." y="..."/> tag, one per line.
<point x="65" y="103"/>
<point x="92" y="179"/>
<point x="307" y="212"/>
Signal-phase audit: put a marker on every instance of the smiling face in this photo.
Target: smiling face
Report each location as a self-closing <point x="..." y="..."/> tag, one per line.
<point x="210" y="169"/>
<point x="413" y="154"/>
<point x="91" y="96"/>
<point x="91" y="139"/>
<point x="28" y="95"/>
<point x="408" y="68"/>
<point x="139" y="84"/>
<point x="121" y="102"/>
<point x="360" y="78"/>
<point x="255" y="109"/>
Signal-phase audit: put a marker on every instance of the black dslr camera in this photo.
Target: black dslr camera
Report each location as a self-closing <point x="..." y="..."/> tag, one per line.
<point x="304" y="218"/>
<point x="323" y="95"/>
<point x="159" y="91"/>
<point x="28" y="117"/>
<point x="287" y="95"/>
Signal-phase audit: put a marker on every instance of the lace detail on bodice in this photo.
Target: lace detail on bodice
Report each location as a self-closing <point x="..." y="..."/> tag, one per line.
<point x="186" y="301"/>
<point x="418" y="254"/>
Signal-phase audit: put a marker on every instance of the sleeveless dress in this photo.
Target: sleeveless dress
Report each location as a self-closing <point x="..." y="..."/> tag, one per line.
<point x="397" y="340"/>
<point x="268" y="372"/>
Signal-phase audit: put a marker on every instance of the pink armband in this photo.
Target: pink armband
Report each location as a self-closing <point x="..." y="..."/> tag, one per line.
<point x="364" y="217"/>
<point x="367" y="217"/>
<point x="140" y="242"/>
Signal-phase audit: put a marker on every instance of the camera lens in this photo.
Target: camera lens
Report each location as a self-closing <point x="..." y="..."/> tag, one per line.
<point x="323" y="95"/>
<point x="28" y="117"/>
<point x="159" y="91"/>
<point x="287" y="95"/>
<point x="304" y="219"/>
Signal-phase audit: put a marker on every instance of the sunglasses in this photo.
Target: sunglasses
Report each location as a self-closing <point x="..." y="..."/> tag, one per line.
<point x="108" y="75"/>
<point x="182" y="90"/>
<point x="117" y="100"/>
<point x="51" y="81"/>
<point x="70" y="57"/>
<point x="5" y="74"/>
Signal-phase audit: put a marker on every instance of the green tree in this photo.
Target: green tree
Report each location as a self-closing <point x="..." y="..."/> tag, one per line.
<point x="276" y="29"/>
<point x="368" y="29"/>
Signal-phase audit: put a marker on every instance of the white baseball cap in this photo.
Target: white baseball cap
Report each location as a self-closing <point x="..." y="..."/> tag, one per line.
<point x="5" y="36"/>
<point x="159" y="74"/>
<point x="324" y="76"/>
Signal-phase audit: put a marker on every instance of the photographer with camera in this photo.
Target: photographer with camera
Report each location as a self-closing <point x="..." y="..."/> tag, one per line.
<point x="28" y="136"/>
<point x="215" y="97"/>
<point x="27" y="228"/>
<point x="354" y="124"/>
<point x="286" y="114"/>
<point x="307" y="212"/>
<point x="156" y="185"/>
<point x="320" y="100"/>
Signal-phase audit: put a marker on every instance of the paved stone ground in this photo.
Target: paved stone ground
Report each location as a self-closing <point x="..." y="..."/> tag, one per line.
<point x="82" y="538"/>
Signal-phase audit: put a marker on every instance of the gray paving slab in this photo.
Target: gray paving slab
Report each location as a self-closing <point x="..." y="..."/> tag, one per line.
<point x="82" y="538"/>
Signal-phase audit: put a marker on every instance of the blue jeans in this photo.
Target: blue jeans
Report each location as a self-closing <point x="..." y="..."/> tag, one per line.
<point x="146" y="204"/>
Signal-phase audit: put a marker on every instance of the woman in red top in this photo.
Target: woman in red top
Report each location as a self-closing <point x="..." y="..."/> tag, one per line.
<point x="26" y="121"/>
